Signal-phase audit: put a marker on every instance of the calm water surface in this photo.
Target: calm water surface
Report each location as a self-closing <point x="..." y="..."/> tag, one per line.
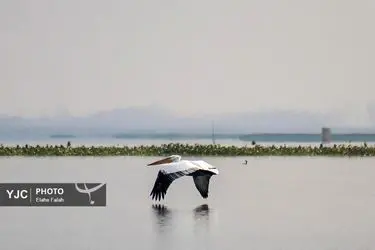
<point x="271" y="203"/>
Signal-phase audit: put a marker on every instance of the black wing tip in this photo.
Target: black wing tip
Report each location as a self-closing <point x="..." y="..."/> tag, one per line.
<point x="204" y="195"/>
<point x="157" y="196"/>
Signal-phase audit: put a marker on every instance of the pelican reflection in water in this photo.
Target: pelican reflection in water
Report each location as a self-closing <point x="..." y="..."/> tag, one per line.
<point x="168" y="226"/>
<point x="201" y="211"/>
<point x="164" y="215"/>
<point x="201" y="220"/>
<point x="162" y="211"/>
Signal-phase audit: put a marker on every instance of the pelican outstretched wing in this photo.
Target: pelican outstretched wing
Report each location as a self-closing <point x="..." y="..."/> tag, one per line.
<point x="167" y="175"/>
<point x="162" y="183"/>
<point x="202" y="182"/>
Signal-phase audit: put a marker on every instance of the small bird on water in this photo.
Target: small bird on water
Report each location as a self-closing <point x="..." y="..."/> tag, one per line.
<point x="245" y="163"/>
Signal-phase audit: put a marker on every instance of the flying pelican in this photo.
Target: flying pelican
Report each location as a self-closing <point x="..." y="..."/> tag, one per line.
<point x="174" y="168"/>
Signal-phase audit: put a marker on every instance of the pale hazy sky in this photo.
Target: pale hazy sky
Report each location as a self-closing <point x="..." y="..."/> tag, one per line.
<point x="192" y="57"/>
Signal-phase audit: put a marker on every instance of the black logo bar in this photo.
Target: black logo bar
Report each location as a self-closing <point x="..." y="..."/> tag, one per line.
<point x="53" y="194"/>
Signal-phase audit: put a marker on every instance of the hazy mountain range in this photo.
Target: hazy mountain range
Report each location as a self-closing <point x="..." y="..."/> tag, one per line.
<point x="155" y="119"/>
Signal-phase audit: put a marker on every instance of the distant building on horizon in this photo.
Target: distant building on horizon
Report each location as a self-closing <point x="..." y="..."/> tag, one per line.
<point x="326" y="135"/>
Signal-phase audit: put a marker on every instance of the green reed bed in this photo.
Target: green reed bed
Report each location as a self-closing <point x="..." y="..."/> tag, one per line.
<point x="187" y="150"/>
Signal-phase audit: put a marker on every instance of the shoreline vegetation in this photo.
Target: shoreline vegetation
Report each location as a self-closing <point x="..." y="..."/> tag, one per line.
<point x="337" y="150"/>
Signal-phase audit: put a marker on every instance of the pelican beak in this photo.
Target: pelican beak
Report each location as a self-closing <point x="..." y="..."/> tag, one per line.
<point x="162" y="161"/>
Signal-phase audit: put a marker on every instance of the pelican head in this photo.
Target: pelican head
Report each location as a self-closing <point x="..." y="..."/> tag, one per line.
<point x="169" y="159"/>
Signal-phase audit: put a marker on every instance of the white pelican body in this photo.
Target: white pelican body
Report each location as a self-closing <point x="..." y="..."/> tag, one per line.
<point x="173" y="168"/>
